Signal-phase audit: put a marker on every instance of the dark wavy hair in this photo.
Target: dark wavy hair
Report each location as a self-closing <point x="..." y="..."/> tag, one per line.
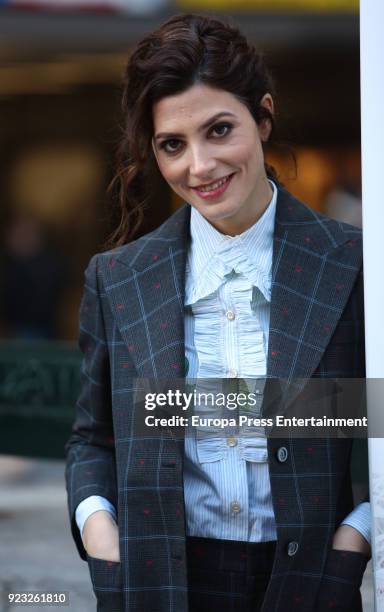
<point x="185" y="50"/>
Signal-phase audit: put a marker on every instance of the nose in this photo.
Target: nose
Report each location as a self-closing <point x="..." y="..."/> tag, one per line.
<point x="201" y="163"/>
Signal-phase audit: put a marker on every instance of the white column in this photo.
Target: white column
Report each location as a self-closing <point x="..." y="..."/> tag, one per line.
<point x="372" y="132"/>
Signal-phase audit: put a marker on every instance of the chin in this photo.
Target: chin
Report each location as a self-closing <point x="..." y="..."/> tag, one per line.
<point x="217" y="212"/>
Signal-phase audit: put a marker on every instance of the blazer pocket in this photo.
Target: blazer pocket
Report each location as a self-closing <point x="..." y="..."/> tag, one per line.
<point x="340" y="585"/>
<point x="347" y="565"/>
<point x="107" y="582"/>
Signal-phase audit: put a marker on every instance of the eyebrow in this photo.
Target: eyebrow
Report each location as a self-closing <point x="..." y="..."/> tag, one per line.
<point x="205" y="125"/>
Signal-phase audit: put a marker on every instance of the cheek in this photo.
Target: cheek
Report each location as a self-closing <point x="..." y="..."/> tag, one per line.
<point x="245" y="153"/>
<point x="253" y="158"/>
<point x="171" y="171"/>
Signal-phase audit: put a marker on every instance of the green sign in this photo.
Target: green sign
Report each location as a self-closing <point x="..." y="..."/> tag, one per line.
<point x="39" y="386"/>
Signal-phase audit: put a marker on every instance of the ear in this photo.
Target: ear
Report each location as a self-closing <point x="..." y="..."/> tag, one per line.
<point x="265" y="126"/>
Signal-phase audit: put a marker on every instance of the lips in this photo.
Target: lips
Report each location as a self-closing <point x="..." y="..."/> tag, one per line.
<point x="212" y="186"/>
<point x="214" y="189"/>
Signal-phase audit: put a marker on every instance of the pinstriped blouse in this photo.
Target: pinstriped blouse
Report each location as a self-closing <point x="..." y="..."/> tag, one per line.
<point x="227" y="299"/>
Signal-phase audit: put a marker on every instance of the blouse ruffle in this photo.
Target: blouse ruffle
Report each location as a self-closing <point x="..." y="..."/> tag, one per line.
<point x="231" y="255"/>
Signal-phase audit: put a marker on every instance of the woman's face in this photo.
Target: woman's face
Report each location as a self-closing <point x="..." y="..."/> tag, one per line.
<point x="209" y="150"/>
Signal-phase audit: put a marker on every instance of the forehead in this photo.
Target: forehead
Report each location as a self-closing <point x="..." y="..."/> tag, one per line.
<point x="194" y="106"/>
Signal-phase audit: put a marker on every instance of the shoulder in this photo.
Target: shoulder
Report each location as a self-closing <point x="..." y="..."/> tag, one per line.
<point x="313" y="229"/>
<point x="148" y="250"/>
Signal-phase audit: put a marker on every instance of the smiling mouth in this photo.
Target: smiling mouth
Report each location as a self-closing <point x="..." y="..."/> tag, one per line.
<point x="213" y="186"/>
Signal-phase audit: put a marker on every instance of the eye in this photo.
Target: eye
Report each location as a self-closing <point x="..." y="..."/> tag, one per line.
<point x="171" y="146"/>
<point x="221" y="129"/>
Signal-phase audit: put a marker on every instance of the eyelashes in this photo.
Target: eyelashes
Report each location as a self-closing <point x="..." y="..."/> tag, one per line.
<point x="219" y="127"/>
<point x="172" y="146"/>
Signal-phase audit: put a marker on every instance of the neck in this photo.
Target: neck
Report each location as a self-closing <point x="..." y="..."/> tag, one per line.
<point x="233" y="226"/>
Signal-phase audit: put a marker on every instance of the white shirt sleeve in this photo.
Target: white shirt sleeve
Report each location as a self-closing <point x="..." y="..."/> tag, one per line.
<point x="92" y="504"/>
<point x="360" y="519"/>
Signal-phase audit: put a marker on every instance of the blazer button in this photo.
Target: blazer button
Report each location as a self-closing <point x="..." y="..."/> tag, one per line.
<point x="282" y="454"/>
<point x="292" y="548"/>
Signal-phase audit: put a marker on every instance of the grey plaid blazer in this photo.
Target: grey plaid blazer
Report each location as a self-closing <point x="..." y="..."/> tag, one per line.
<point x="131" y="326"/>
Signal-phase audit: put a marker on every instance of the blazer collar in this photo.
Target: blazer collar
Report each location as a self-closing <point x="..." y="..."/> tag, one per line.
<point x="156" y="247"/>
<point x="315" y="264"/>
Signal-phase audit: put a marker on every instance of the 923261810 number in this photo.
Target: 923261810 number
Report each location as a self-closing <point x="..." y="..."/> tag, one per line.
<point x="35" y="598"/>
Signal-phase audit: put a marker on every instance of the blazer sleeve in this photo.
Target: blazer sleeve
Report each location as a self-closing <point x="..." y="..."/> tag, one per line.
<point x="90" y="467"/>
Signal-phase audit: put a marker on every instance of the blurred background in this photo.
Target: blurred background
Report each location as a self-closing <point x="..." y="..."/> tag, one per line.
<point x="61" y="63"/>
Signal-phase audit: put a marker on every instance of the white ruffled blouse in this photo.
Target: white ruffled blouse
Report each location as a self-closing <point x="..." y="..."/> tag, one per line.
<point x="227" y="302"/>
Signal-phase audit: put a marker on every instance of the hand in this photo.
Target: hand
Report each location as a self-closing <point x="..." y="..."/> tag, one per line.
<point x="101" y="536"/>
<point x="348" y="538"/>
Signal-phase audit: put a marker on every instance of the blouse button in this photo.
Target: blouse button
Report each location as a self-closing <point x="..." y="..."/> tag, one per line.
<point x="231" y="441"/>
<point x="235" y="507"/>
<point x="230" y="315"/>
<point x="232" y="373"/>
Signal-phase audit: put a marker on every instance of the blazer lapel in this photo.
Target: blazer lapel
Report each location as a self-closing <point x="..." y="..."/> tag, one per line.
<point x="315" y="264"/>
<point x="145" y="287"/>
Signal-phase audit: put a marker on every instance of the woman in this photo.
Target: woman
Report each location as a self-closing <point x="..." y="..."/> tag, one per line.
<point x="243" y="281"/>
